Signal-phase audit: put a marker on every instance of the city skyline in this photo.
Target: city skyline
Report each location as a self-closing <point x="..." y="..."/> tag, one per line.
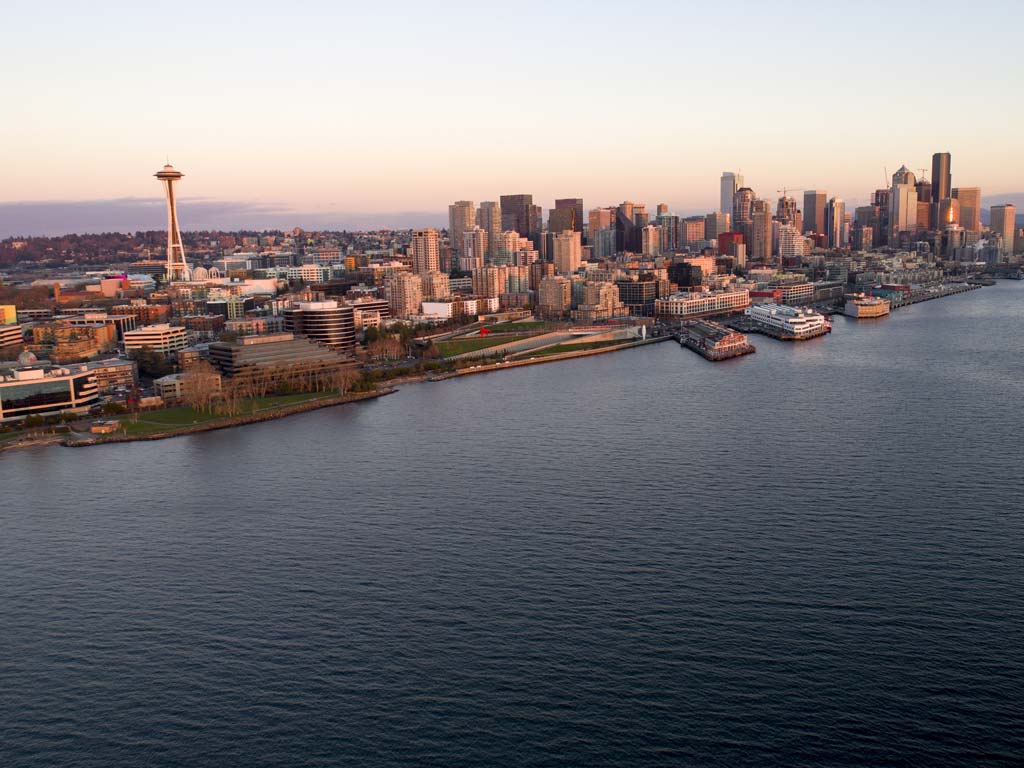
<point x="324" y="123"/>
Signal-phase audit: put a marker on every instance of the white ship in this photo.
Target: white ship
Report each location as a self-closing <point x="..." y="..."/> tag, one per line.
<point x="789" y="322"/>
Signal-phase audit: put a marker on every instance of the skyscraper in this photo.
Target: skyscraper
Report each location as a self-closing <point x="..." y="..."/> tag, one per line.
<point x="177" y="268"/>
<point x="730" y="183"/>
<point x="905" y="176"/>
<point x="970" y="207"/>
<point x="1003" y="222"/>
<point x="835" y="223"/>
<point x="786" y="210"/>
<point x="760" y="230"/>
<point x="949" y="212"/>
<point x="461" y="216"/>
<point x="814" y="211"/>
<point x="715" y="224"/>
<point x="518" y="215"/>
<point x="742" y="203"/>
<point x="573" y="206"/>
<point x="942" y="178"/>
<point x="425" y="251"/>
<point x="902" y="210"/>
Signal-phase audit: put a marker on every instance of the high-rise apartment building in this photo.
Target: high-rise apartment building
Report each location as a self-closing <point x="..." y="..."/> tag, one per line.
<point x="404" y="293"/>
<point x="489" y="282"/>
<point x="792" y="244"/>
<point x="475" y="245"/>
<point x="461" y="216"/>
<point x="815" y="201"/>
<point x="425" y="250"/>
<point x="568" y="252"/>
<point x="436" y="285"/>
<point x="650" y="240"/>
<point x="554" y="296"/>
<point x="730" y="183"/>
<point x="1002" y="222"/>
<point x="970" y="207"/>
<point x="488" y="218"/>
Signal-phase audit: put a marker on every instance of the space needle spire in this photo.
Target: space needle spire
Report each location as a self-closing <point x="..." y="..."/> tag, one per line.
<point x="177" y="268"/>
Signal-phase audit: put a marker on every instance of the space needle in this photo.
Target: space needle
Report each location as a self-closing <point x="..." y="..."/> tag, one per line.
<point x="177" y="269"/>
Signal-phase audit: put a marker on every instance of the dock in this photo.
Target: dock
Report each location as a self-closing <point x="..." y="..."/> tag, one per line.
<point x="713" y="341"/>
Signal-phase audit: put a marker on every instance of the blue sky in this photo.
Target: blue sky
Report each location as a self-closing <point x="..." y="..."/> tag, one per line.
<point x="329" y="109"/>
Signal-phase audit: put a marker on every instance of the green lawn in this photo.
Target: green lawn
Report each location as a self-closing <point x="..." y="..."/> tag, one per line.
<point x="461" y="346"/>
<point x="560" y="348"/>
<point x="173" y="418"/>
<point x="519" y="325"/>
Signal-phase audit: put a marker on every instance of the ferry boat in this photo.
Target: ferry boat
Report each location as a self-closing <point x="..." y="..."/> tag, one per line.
<point x="789" y="323"/>
<point x="862" y="305"/>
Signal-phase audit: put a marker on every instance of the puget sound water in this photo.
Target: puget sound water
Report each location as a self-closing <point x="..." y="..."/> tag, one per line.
<point x="810" y="556"/>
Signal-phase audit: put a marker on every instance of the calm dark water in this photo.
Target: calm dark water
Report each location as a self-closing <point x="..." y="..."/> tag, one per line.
<point x="810" y="556"/>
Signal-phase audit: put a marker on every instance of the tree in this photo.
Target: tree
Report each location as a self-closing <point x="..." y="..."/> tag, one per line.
<point x="151" y="363"/>
<point x="200" y="387"/>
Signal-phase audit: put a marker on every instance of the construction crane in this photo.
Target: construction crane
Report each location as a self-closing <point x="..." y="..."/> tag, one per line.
<point x="924" y="172"/>
<point x="785" y="190"/>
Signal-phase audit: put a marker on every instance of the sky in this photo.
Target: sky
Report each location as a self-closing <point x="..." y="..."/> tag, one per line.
<point x="385" y="112"/>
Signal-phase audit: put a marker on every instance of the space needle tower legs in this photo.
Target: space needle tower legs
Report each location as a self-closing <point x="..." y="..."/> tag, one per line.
<point x="177" y="268"/>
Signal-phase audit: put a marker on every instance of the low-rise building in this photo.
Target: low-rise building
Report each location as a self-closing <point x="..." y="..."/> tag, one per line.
<point x="172" y="386"/>
<point x="280" y="351"/>
<point x="115" y="373"/>
<point x="45" y="391"/>
<point x="702" y="303"/>
<point x="163" y="338"/>
<point x="11" y="339"/>
<point x="714" y="341"/>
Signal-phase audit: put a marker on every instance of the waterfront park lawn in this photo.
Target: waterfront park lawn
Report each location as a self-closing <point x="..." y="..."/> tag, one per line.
<point x="519" y="325"/>
<point x="461" y="346"/>
<point x="164" y="419"/>
<point x="562" y="348"/>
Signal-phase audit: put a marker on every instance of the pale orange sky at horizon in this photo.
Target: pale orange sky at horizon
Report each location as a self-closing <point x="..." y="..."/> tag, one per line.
<point x="324" y="120"/>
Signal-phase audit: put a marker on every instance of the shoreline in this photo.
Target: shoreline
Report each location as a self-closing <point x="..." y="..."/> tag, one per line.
<point x="386" y="388"/>
<point x="226" y="422"/>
